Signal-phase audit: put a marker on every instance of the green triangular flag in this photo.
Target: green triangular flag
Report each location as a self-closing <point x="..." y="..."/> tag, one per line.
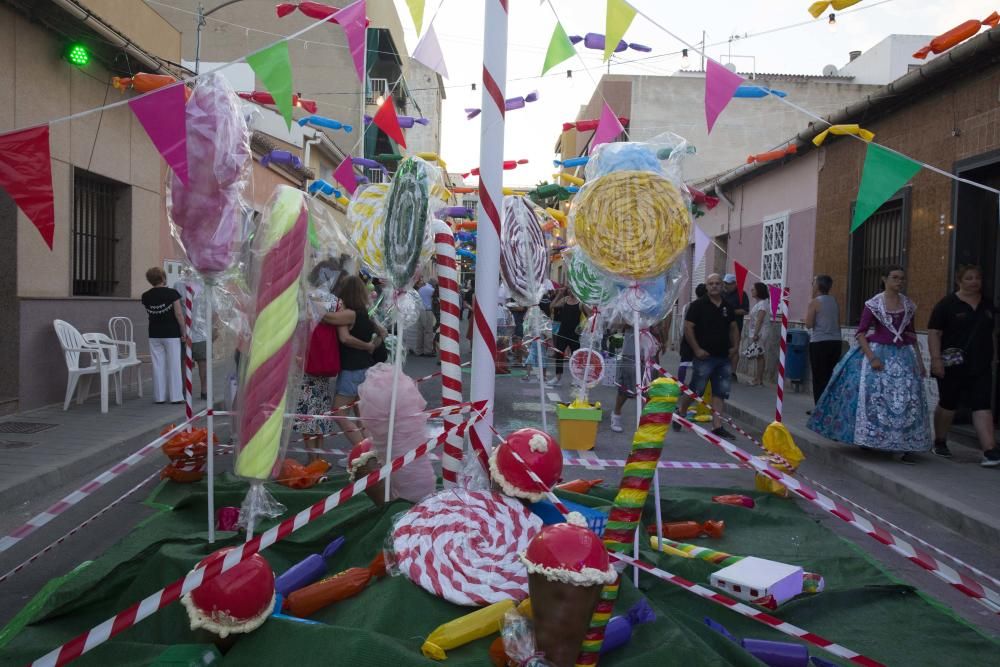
<point x="274" y="70"/>
<point x="620" y="15"/>
<point x="560" y="48"/>
<point x="417" y="12"/>
<point x="884" y="173"/>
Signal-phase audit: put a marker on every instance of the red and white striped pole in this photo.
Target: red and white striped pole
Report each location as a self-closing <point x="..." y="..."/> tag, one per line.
<point x="188" y="352"/>
<point x="451" y="363"/>
<point x="781" y="355"/>
<point x="484" y="342"/>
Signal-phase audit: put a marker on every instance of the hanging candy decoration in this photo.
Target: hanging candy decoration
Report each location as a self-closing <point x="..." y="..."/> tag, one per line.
<point x="454" y="212"/>
<point x="389" y="157"/>
<point x="817" y="9"/>
<point x="261" y="97"/>
<point x="790" y="149"/>
<point x="510" y="104"/>
<point x="595" y="40"/>
<point x="324" y="122"/>
<point x="145" y="83"/>
<point x="751" y="91"/>
<point x="573" y="161"/>
<point x="550" y="190"/>
<point x="508" y="165"/>
<point x="699" y="198"/>
<point x="319" y="185"/>
<point x="589" y="125"/>
<point x="406" y="236"/>
<point x="281" y="157"/>
<point x="405" y="122"/>
<point x="956" y="35"/>
<point x="314" y="10"/>
<point x="366" y="220"/>
<point x="852" y="128"/>
<point x="370" y="164"/>
<point x="569" y="178"/>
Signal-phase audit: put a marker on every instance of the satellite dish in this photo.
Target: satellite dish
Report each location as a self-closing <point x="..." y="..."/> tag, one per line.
<point x="830" y="70"/>
<point x="731" y="67"/>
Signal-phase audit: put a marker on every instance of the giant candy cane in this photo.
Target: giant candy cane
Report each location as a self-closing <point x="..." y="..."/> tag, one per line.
<point x="451" y="368"/>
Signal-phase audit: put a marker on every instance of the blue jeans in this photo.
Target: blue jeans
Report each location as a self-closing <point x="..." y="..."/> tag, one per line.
<point x="717" y="369"/>
<point x="349" y="381"/>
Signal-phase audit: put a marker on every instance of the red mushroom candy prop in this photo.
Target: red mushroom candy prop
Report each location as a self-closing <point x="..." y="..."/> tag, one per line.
<point x="539" y="451"/>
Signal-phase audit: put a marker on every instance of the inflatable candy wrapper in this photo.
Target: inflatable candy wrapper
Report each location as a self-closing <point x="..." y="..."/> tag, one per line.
<point x="206" y="216"/>
<point x="519" y="646"/>
<point x="270" y="367"/>
<point x="310" y="599"/>
<point x="416" y="480"/>
<point x="464" y="629"/>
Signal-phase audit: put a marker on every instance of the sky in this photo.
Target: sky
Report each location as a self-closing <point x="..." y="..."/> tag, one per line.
<point x="531" y="132"/>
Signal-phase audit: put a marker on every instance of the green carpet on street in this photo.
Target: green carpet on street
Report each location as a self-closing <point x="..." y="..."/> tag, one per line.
<point x="863" y="608"/>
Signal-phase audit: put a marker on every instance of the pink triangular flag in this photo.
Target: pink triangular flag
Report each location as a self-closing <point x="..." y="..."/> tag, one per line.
<point x="775" y="293"/>
<point x="608" y="127"/>
<point x="720" y="86"/>
<point x="428" y="52"/>
<point x="161" y="113"/>
<point x="344" y="174"/>
<point x="353" y="20"/>
<point x="700" y="245"/>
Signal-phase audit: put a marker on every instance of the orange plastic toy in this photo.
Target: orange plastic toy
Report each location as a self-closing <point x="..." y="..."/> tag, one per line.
<point x="187" y="452"/>
<point x="791" y="149"/>
<point x="294" y="475"/>
<point x="145" y="83"/>
<point x="307" y="601"/>
<point x="685" y="530"/>
<point x="957" y="35"/>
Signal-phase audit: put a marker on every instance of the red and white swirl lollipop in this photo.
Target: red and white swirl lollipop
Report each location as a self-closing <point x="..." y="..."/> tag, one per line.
<point x="463" y="546"/>
<point x="524" y="257"/>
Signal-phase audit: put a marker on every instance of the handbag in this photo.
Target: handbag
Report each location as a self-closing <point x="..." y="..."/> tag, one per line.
<point x="323" y="354"/>
<point x="955" y="356"/>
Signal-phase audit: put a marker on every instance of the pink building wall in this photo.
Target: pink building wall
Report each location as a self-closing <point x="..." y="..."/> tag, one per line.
<point x="789" y="189"/>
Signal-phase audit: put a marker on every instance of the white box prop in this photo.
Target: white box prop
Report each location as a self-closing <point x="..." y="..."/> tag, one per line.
<point x="755" y="578"/>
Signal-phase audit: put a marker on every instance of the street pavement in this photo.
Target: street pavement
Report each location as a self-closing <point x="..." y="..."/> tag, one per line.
<point x="85" y="443"/>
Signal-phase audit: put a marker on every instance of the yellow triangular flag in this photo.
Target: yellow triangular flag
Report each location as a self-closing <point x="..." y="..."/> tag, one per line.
<point x="620" y="15"/>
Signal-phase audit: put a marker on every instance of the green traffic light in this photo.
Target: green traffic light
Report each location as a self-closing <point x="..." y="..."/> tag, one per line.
<point x="78" y="55"/>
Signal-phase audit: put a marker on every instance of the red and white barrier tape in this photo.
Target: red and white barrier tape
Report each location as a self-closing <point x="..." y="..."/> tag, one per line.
<point x="78" y="528"/>
<point x="668" y="465"/>
<point x="782" y="351"/>
<point x="39" y="520"/>
<point x="163" y="597"/>
<point x="188" y="353"/>
<point x="965" y="584"/>
<point x="459" y="409"/>
<point x="448" y="347"/>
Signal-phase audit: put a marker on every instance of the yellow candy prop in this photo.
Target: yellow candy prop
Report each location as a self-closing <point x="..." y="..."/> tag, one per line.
<point x="365" y="220"/>
<point x="842" y="130"/>
<point x="782" y="448"/>
<point x="464" y="629"/>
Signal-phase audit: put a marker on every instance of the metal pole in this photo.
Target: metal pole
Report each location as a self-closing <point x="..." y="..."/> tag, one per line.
<point x="197" y="39"/>
<point x="207" y="293"/>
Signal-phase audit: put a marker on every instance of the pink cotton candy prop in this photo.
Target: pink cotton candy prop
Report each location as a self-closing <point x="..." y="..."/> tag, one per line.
<point x="416" y="480"/>
<point x="207" y="215"/>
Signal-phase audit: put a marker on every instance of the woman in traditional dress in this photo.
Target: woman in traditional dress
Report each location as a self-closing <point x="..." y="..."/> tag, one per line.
<point x="876" y="397"/>
<point x="757" y="333"/>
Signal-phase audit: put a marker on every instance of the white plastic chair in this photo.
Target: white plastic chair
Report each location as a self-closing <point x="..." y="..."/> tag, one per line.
<point x="103" y="362"/>
<point x="120" y="329"/>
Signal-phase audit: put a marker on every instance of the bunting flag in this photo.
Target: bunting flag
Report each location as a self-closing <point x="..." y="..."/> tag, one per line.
<point x="701" y="244"/>
<point x="560" y="49"/>
<point x="417" y="12"/>
<point x="884" y="173"/>
<point x="774" y="291"/>
<point x="428" y="52"/>
<point x="387" y="121"/>
<point x="354" y="22"/>
<point x="620" y="15"/>
<point x="741" y="276"/>
<point x="608" y="128"/>
<point x="274" y="70"/>
<point x="161" y="113"/>
<point x="344" y="174"/>
<point x="720" y="86"/>
<point x="26" y="175"/>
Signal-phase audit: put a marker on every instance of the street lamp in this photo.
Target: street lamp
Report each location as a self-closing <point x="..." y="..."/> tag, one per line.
<point x="202" y="15"/>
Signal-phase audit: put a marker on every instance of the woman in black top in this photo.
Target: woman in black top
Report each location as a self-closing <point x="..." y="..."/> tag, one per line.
<point x="567" y="338"/>
<point x="166" y="328"/>
<point x="357" y="342"/>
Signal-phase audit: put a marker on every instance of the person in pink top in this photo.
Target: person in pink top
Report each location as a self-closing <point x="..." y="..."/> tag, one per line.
<point x="876" y="397"/>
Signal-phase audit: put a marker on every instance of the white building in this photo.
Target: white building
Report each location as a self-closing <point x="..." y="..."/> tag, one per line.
<point x="886" y="61"/>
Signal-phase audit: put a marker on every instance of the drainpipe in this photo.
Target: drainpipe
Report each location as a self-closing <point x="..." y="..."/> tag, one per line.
<point x="305" y="154"/>
<point x="111" y="35"/>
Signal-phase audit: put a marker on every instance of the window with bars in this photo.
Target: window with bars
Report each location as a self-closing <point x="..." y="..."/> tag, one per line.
<point x="774" y="250"/>
<point x="879" y="243"/>
<point x="100" y="221"/>
<point x="470" y="203"/>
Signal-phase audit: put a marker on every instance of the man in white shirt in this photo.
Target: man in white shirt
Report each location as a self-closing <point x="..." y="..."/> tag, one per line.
<point x="425" y="325"/>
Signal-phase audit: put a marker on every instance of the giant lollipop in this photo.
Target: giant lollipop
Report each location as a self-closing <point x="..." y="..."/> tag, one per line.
<point x="524" y="259"/>
<point x="206" y="214"/>
<point x="414" y="194"/>
<point x="366" y="220"/>
<point x="589" y="284"/>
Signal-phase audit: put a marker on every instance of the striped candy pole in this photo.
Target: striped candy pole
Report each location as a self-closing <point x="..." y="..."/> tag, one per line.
<point x="962" y="582"/>
<point x="484" y="343"/>
<point x="647" y="445"/>
<point x="188" y="352"/>
<point x="151" y="604"/>
<point x="781" y="355"/>
<point x="451" y="363"/>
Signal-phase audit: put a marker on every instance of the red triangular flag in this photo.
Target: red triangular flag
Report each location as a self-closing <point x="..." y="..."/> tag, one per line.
<point x="775" y="293"/>
<point x="741" y="277"/>
<point x="385" y="119"/>
<point x="344" y="174"/>
<point x="26" y="175"/>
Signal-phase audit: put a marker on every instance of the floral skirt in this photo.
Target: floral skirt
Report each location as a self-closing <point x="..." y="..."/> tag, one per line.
<point x="314" y="399"/>
<point x="884" y="410"/>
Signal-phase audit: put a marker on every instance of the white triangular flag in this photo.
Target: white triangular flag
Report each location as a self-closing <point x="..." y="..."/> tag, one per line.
<point x="428" y="52"/>
<point x="701" y="242"/>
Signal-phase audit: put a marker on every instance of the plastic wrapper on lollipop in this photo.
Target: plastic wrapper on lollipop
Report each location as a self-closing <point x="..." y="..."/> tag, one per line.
<point x="652" y="299"/>
<point x="416" y="192"/>
<point x="272" y="370"/>
<point x="632" y="216"/>
<point x="524" y="258"/>
<point x="206" y="215"/>
<point x="519" y="641"/>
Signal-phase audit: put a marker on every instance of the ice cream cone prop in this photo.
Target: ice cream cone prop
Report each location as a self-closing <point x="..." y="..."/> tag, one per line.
<point x="532" y="448"/>
<point x="647" y="445"/>
<point x="567" y="568"/>
<point x="362" y="461"/>
<point x="237" y="601"/>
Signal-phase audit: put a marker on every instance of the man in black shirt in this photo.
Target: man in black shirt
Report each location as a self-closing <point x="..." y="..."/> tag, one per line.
<point x="960" y="336"/>
<point x="710" y="330"/>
